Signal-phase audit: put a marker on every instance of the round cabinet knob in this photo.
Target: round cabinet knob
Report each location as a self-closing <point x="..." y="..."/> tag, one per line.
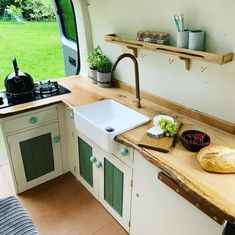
<point x="124" y="152"/>
<point x="33" y="120"/>
<point x="56" y="139"/>
<point x="92" y="159"/>
<point x="98" y="164"/>
<point x="71" y="115"/>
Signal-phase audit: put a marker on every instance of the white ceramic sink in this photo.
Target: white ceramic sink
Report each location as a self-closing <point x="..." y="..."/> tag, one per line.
<point x="103" y="120"/>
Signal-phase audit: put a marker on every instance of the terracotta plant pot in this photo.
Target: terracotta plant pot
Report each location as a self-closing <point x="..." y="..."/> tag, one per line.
<point x="104" y="79"/>
<point x="92" y="73"/>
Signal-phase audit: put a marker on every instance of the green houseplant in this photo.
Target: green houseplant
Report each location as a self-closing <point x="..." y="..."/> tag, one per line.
<point x="104" y="67"/>
<point x="92" y="62"/>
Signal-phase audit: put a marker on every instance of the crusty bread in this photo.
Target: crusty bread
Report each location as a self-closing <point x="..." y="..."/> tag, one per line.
<point x="217" y="159"/>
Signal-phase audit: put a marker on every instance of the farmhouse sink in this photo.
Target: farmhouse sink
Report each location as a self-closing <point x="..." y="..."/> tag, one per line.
<point x="103" y="120"/>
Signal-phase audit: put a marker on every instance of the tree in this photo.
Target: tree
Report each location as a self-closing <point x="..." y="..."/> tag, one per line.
<point x="13" y="13"/>
<point x="31" y="9"/>
<point x="4" y="4"/>
<point x="38" y="9"/>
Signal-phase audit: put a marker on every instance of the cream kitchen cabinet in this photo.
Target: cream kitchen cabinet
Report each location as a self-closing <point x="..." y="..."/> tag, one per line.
<point x="115" y="187"/>
<point x="156" y="209"/>
<point x="71" y="141"/>
<point x="33" y="141"/>
<point x="87" y="172"/>
<point x="106" y="177"/>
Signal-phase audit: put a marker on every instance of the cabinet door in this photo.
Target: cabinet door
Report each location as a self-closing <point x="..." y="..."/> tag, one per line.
<point x="36" y="155"/>
<point x="87" y="173"/>
<point x="156" y="209"/>
<point x="115" y="180"/>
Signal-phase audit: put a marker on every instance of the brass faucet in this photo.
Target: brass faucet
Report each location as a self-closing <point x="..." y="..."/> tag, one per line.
<point x="137" y="84"/>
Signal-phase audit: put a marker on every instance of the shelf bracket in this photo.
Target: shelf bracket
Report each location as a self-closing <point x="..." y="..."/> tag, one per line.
<point x="134" y="50"/>
<point x="187" y="62"/>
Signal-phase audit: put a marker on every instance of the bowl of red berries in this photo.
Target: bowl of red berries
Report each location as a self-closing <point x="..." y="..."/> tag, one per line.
<point x="194" y="140"/>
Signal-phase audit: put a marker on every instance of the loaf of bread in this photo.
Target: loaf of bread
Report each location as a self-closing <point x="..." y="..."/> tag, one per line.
<point x="217" y="159"/>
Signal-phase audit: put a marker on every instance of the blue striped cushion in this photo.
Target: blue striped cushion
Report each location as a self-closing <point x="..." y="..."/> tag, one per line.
<point x="14" y="220"/>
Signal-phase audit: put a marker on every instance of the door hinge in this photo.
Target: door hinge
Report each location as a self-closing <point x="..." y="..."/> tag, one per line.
<point x="75" y="168"/>
<point x="131" y="183"/>
<point x="73" y="134"/>
<point x="129" y="224"/>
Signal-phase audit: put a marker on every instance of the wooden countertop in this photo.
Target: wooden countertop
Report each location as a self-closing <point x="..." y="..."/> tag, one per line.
<point x="216" y="191"/>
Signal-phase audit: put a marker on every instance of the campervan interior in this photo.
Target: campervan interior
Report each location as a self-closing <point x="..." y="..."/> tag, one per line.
<point x="138" y="137"/>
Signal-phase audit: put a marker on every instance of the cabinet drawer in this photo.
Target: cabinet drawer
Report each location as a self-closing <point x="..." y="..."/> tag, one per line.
<point x="31" y="120"/>
<point x="125" y="154"/>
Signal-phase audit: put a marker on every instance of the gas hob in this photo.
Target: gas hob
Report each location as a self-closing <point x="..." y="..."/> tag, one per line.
<point x="41" y="90"/>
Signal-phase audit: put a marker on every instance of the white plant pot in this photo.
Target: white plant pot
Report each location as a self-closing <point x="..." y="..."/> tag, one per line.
<point x="92" y="73"/>
<point x="104" y="79"/>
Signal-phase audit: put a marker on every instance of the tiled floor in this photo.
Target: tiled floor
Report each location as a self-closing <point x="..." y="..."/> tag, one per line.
<point x="63" y="207"/>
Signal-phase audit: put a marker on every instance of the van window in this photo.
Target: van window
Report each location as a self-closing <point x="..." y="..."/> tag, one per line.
<point x="67" y="18"/>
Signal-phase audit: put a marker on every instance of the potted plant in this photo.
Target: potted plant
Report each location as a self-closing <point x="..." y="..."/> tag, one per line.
<point x="104" y="67"/>
<point x="92" y="61"/>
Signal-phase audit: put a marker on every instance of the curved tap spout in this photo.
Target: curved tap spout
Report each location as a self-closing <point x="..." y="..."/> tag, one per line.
<point x="137" y="84"/>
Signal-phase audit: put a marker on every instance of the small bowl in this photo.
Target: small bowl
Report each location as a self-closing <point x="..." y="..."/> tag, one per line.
<point x="194" y="147"/>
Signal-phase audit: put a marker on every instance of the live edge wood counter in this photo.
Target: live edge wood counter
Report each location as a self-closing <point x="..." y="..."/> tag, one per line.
<point x="216" y="191"/>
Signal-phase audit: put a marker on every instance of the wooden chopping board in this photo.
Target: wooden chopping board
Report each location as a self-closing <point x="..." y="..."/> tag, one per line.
<point x="162" y="144"/>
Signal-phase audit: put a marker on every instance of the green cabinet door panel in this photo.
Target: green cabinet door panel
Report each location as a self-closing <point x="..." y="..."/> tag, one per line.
<point x="113" y="186"/>
<point x="37" y="156"/>
<point x="117" y="190"/>
<point x="85" y="165"/>
<point x="108" y="182"/>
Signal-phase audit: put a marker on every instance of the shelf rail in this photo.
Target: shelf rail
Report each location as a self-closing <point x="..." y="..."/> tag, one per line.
<point x="185" y="55"/>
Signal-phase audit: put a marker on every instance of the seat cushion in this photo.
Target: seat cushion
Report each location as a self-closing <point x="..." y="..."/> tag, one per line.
<point x="14" y="220"/>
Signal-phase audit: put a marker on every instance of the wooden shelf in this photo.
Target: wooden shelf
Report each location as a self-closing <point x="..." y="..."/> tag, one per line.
<point x="184" y="54"/>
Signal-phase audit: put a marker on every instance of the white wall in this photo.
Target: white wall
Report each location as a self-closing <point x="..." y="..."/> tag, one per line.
<point x="211" y="91"/>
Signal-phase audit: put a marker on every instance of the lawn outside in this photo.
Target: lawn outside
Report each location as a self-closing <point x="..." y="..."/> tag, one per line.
<point x="36" y="45"/>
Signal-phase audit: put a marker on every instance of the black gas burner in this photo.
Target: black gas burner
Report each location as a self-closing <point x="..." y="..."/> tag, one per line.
<point x="41" y="90"/>
<point x="47" y="88"/>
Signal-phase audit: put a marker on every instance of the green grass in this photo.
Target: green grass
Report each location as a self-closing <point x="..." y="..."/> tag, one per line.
<point x="36" y="45"/>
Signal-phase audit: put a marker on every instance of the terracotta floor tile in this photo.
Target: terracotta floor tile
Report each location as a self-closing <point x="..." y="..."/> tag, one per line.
<point x="72" y="202"/>
<point x="56" y="222"/>
<point x="112" y="228"/>
<point x="91" y="217"/>
<point x="37" y="206"/>
<point x="69" y="195"/>
<point x="63" y="206"/>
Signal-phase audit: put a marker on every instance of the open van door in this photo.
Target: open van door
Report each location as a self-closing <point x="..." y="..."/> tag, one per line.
<point x="65" y="15"/>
